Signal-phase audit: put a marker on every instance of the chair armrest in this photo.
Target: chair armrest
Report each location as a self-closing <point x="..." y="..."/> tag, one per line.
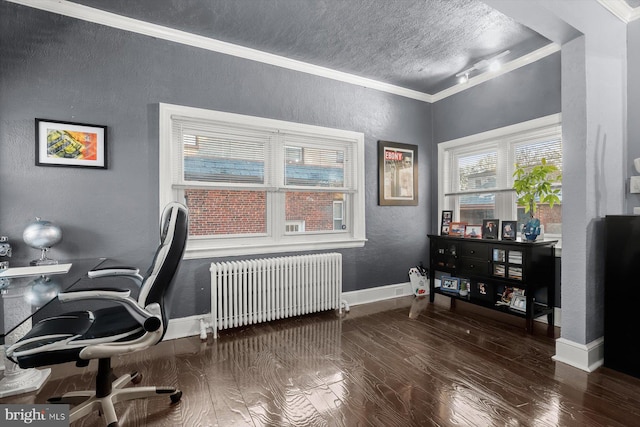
<point x="113" y="271"/>
<point x="149" y="317"/>
<point x="128" y="272"/>
<point x="106" y="293"/>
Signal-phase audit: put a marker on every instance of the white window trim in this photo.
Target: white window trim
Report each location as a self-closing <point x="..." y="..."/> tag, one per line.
<point x="341" y="218"/>
<point x="276" y="240"/>
<point x="486" y="138"/>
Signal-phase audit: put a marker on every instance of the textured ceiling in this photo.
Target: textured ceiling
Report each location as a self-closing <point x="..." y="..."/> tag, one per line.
<point x="416" y="44"/>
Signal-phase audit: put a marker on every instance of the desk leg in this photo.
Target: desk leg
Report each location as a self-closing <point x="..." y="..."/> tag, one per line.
<point x="17" y="380"/>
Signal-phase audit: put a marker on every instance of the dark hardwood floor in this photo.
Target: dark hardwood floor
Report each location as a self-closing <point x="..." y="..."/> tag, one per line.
<point x="403" y="362"/>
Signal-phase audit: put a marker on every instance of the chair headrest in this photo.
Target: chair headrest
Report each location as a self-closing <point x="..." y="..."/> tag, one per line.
<point x="167" y="222"/>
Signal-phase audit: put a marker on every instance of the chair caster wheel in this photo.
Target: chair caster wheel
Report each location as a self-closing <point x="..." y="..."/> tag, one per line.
<point x="136" y="377"/>
<point x="175" y="397"/>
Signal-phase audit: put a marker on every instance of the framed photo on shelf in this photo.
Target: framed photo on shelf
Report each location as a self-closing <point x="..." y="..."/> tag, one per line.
<point x="482" y="288"/>
<point x="70" y="144"/>
<point x="509" y="293"/>
<point x="445" y="224"/>
<point x="482" y="291"/>
<point x="509" y="230"/>
<point x="518" y="302"/>
<point x="490" y="228"/>
<point x="457" y="229"/>
<point x="398" y="174"/>
<point x="450" y="284"/>
<point x="473" y="231"/>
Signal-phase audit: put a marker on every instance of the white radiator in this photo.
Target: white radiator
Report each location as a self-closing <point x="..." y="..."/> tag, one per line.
<point x="259" y="290"/>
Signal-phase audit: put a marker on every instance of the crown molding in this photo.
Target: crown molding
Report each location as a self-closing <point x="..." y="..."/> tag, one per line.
<point x="97" y="16"/>
<point x="621" y="10"/>
<point x="506" y="68"/>
<point x="89" y="14"/>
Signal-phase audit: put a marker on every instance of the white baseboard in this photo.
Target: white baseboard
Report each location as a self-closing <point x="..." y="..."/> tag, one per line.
<point x="380" y="293"/>
<point x="587" y="357"/>
<point x="185" y="326"/>
<point x="190" y="326"/>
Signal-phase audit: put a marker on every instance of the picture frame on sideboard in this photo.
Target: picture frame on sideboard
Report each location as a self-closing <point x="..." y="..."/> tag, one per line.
<point x="445" y="223"/>
<point x="509" y="230"/>
<point x="490" y="228"/>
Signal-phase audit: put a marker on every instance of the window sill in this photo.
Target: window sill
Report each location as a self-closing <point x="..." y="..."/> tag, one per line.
<point x="199" y="251"/>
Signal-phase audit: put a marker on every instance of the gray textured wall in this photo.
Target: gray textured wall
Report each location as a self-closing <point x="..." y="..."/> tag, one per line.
<point x="524" y="94"/>
<point x="633" y="98"/>
<point x="59" y="68"/>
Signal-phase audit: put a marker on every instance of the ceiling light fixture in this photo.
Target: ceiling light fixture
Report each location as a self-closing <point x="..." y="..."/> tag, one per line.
<point x="490" y="64"/>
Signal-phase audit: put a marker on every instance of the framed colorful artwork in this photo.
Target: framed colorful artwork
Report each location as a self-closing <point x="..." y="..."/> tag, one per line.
<point x="70" y="144"/>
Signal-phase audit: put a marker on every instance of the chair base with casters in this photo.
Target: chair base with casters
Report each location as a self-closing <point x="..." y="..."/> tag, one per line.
<point x="110" y="391"/>
<point x="127" y="325"/>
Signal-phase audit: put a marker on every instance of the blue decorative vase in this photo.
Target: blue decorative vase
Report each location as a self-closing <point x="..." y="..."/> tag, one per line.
<point x="531" y="230"/>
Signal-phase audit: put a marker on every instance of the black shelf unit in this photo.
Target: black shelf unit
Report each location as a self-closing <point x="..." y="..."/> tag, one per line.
<point x="490" y="267"/>
<point x="622" y="258"/>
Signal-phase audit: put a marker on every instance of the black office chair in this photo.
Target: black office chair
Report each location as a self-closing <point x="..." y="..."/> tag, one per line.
<point x="127" y="326"/>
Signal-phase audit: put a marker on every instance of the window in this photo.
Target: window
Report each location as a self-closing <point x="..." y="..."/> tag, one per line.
<point x="476" y="172"/>
<point x="255" y="185"/>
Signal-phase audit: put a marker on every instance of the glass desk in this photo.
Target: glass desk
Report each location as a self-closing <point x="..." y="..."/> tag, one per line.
<point x="23" y="301"/>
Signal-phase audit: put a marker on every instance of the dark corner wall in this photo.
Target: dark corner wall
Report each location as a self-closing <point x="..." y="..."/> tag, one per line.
<point x="59" y="68"/>
<point x="633" y="106"/>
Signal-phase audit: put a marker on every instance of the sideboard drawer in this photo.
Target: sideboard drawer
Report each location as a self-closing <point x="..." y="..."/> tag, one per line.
<point x="475" y="266"/>
<point x="474" y="250"/>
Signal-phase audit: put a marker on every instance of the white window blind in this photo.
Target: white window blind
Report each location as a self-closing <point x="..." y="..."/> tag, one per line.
<point x="215" y="154"/>
<point x="323" y="163"/>
<point x="529" y="154"/>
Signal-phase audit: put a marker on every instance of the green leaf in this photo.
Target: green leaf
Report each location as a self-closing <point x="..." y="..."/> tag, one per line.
<point x="536" y="183"/>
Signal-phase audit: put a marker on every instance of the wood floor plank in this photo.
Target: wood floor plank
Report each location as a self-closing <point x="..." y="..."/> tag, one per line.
<point x="195" y="404"/>
<point x="405" y="362"/>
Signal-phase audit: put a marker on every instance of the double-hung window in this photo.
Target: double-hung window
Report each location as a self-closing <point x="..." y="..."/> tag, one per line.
<point x="256" y="185"/>
<point x="476" y="172"/>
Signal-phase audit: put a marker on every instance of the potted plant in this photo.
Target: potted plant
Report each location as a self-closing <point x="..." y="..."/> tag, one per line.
<point x="533" y="185"/>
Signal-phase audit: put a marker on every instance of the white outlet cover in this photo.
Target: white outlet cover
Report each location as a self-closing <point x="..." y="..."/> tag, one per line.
<point x="634" y="184"/>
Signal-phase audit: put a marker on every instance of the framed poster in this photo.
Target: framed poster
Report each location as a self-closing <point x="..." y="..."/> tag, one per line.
<point x="70" y="144"/>
<point x="397" y="174"/>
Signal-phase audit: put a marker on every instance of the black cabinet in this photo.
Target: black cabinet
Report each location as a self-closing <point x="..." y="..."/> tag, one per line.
<point x="510" y="276"/>
<point x="622" y="272"/>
